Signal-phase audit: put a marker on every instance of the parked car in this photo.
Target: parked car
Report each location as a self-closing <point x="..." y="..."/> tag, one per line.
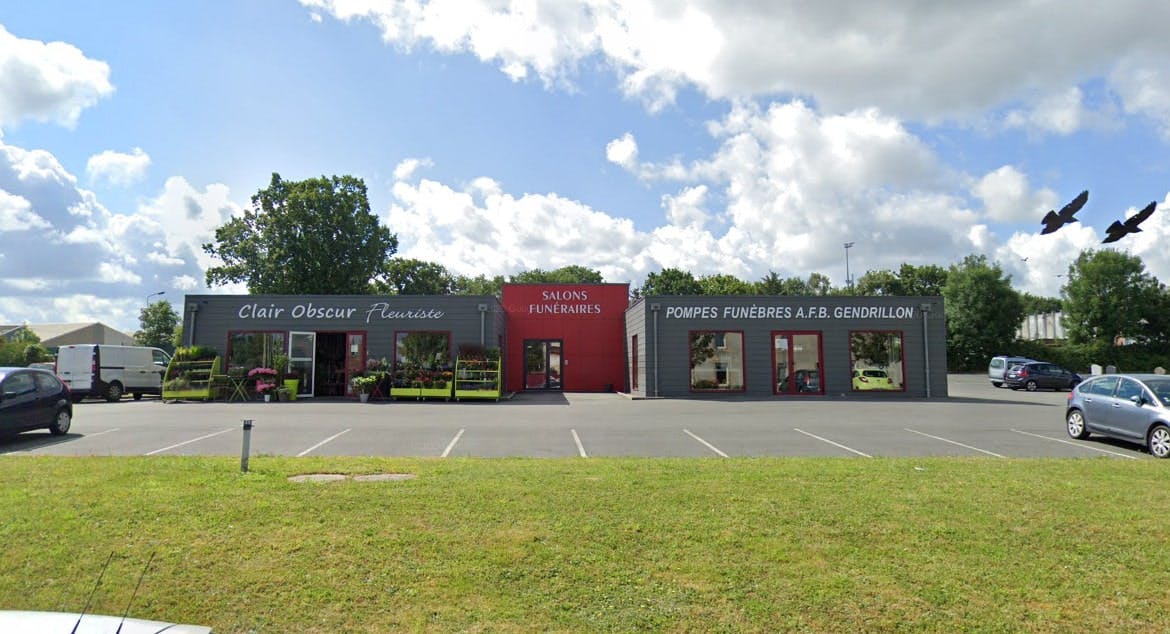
<point x="802" y="381"/>
<point x="33" y="399"/>
<point x="871" y="379"/>
<point x="1129" y="407"/>
<point x="999" y="365"/>
<point x="1035" y="375"/>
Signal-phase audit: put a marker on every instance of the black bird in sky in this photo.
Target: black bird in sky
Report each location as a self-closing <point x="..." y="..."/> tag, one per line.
<point x="1119" y="230"/>
<point x="1053" y="220"/>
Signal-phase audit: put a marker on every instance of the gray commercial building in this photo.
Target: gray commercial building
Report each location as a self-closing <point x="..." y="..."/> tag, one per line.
<point x="769" y="346"/>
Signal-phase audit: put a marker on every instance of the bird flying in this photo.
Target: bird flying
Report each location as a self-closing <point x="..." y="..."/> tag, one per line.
<point x="1054" y="220"/>
<point x="1119" y="230"/>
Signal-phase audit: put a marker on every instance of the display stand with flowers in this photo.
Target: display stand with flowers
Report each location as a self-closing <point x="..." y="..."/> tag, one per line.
<point x="263" y="382"/>
<point x="477" y="374"/>
<point x="191" y="374"/>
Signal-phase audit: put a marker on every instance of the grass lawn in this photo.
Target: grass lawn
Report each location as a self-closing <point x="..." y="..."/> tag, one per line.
<point x="521" y="545"/>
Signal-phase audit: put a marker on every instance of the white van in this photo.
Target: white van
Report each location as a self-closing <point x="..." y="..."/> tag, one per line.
<point x="104" y="371"/>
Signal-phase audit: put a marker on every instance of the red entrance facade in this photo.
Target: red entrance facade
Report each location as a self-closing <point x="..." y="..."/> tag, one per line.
<point x="568" y="337"/>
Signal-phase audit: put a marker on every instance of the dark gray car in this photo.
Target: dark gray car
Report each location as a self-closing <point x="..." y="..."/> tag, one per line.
<point x="33" y="399"/>
<point x="1129" y="407"/>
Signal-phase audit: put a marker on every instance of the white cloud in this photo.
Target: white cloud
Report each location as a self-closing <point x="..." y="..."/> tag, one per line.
<point x="1007" y="196"/>
<point x="16" y="214"/>
<point x="118" y="168"/>
<point x="622" y="151"/>
<point x="50" y="81"/>
<point x="783" y="191"/>
<point x="917" y="61"/>
<point x="405" y="169"/>
<point x="1144" y="87"/>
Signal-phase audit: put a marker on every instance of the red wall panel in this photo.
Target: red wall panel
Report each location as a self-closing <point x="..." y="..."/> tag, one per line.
<point x="588" y="318"/>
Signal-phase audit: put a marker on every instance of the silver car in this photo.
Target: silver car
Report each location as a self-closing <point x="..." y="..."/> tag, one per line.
<point x="1133" y="407"/>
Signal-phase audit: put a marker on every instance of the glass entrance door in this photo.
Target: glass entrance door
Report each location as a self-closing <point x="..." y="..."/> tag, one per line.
<point x="543" y="366"/>
<point x="302" y="349"/>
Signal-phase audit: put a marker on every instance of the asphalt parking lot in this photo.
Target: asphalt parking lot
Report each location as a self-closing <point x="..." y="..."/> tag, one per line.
<point x="976" y="419"/>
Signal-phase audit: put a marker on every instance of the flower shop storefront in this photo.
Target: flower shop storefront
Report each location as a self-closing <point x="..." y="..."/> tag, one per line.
<point x="347" y="345"/>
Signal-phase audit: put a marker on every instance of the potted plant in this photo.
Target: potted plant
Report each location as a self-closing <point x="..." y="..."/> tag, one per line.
<point x="364" y="385"/>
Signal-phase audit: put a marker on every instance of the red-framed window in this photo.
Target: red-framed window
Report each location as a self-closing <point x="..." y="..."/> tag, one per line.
<point x="717" y="360"/>
<point x="797" y="363"/>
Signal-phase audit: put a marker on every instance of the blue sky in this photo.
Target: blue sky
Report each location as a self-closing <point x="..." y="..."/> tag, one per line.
<point x="495" y="137"/>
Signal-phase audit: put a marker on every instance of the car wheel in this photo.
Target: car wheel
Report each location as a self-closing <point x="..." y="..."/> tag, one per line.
<point x="60" y="424"/>
<point x="1076" y="425"/>
<point x="114" y="392"/>
<point x="1030" y="386"/>
<point x="997" y="383"/>
<point x="1159" y="441"/>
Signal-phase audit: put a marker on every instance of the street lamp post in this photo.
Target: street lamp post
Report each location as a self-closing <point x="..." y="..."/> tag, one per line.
<point x="154" y="295"/>
<point x="848" y="279"/>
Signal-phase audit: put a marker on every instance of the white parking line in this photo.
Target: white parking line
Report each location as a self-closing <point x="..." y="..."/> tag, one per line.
<point x="1076" y="444"/>
<point x="953" y="442"/>
<point x="318" y="445"/>
<point x="99" y="433"/>
<point x="451" y="445"/>
<point x="835" y="444"/>
<point x="580" y="447"/>
<point x="187" y="442"/>
<point x="705" y="443"/>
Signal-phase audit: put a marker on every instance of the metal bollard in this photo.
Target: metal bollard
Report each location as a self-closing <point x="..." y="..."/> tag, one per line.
<point x="247" y="445"/>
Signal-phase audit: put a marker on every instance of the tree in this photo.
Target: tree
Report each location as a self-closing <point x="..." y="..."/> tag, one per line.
<point x="1109" y="295"/>
<point x="302" y="237"/>
<point x="22" y="348"/>
<point x="723" y="284"/>
<point x="670" y="282"/>
<point x="983" y="312"/>
<point x="157" y="323"/>
<point x="773" y="284"/>
<point x="478" y="285"/>
<point x="1036" y="305"/>
<point x="414" y="277"/>
<point x="908" y="281"/>
<point x="571" y="274"/>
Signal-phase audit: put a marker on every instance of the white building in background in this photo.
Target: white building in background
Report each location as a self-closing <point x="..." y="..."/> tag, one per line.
<point x="1044" y="326"/>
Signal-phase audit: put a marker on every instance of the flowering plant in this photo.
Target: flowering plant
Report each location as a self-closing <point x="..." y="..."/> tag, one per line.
<point x="265" y="379"/>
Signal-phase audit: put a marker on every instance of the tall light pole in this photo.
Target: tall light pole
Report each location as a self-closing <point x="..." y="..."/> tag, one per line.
<point x="154" y="295"/>
<point x="848" y="280"/>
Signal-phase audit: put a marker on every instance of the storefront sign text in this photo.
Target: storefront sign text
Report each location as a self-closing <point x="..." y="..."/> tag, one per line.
<point x="564" y="303"/>
<point x="377" y="310"/>
<point x="789" y="312"/>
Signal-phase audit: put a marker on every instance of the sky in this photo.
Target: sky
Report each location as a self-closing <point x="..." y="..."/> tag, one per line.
<point x="715" y="136"/>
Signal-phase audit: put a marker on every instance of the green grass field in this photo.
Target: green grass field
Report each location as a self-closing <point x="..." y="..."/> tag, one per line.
<point x="521" y="545"/>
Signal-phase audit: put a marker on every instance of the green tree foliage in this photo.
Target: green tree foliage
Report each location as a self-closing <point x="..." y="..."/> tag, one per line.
<point x="302" y="237"/>
<point x="24" y="347"/>
<point x="983" y="312"/>
<point x="1109" y="295"/>
<point x="414" y="277"/>
<point x="157" y="323"/>
<point x="907" y="281"/>
<point x="670" y="282"/>
<point x="773" y="284"/>
<point x="1036" y="305"/>
<point x="572" y="274"/>
<point x="722" y="284"/>
<point x="478" y="285"/>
